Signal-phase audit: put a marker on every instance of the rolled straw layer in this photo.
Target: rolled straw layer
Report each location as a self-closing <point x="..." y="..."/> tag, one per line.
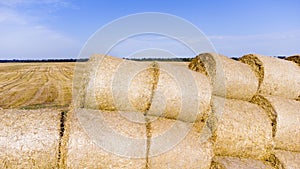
<point x="277" y="77"/>
<point x="175" y="144"/>
<point x="229" y="78"/>
<point x="180" y="94"/>
<point x="118" y="84"/>
<point x="286" y="117"/>
<point x="102" y="139"/>
<point x="294" y="58"/>
<point x="236" y="133"/>
<point x="29" y="138"/>
<point x="289" y="160"/>
<point x="223" y="162"/>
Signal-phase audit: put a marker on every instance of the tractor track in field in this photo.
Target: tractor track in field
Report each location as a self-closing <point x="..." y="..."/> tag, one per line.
<point x="23" y="86"/>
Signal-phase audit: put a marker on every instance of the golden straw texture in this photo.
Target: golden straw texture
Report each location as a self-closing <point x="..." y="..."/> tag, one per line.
<point x="278" y="77"/>
<point x="287" y="136"/>
<point x="180" y="94"/>
<point x="289" y="160"/>
<point x="29" y="138"/>
<point x="294" y="58"/>
<point x="95" y="140"/>
<point x="236" y="133"/>
<point x="175" y="144"/>
<point x="117" y="84"/>
<point x="223" y="162"/>
<point x="285" y="117"/>
<point x="229" y="78"/>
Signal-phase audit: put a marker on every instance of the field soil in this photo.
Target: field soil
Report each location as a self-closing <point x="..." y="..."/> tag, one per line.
<point x="35" y="85"/>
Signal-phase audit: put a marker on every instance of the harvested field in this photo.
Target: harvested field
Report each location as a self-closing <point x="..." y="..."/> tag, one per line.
<point x="35" y="85"/>
<point x="39" y="85"/>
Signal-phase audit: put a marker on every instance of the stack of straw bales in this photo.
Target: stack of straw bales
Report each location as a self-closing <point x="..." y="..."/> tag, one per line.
<point x="279" y="95"/>
<point x="214" y="113"/>
<point x="156" y="112"/>
<point x="255" y="112"/>
<point x="277" y="77"/>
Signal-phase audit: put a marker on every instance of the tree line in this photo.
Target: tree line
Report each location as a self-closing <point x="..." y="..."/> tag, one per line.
<point x="85" y="60"/>
<point x="42" y="60"/>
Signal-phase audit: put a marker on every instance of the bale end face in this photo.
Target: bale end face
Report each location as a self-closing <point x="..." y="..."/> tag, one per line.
<point x="295" y="58"/>
<point x="197" y="65"/>
<point x="256" y="65"/>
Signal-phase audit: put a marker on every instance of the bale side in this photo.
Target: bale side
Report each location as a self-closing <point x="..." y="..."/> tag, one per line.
<point x="180" y="94"/>
<point x="223" y="162"/>
<point x="269" y="109"/>
<point x="236" y="133"/>
<point x="175" y="144"/>
<point x="256" y="65"/>
<point x="280" y="77"/>
<point x="229" y="78"/>
<point x="86" y="152"/>
<point x="29" y="138"/>
<point x="295" y="58"/>
<point x="289" y="160"/>
<point x="117" y="84"/>
<point x="287" y="136"/>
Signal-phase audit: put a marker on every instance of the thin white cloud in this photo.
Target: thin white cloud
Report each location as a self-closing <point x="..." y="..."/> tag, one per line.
<point x="12" y="3"/>
<point x="284" y="43"/>
<point x="10" y="16"/>
<point x="24" y="38"/>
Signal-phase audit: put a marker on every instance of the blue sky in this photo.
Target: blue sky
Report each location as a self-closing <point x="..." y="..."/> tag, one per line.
<point x="38" y="29"/>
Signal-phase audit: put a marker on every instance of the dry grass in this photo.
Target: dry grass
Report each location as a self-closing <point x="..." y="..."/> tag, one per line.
<point x="35" y="85"/>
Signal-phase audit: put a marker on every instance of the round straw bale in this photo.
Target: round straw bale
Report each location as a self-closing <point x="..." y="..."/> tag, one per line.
<point x="180" y="94"/>
<point x="102" y="139"/>
<point x="229" y="78"/>
<point x="277" y="77"/>
<point x="286" y="118"/>
<point x="235" y="131"/>
<point x="294" y="58"/>
<point x="289" y="159"/>
<point x="175" y="144"/>
<point x="117" y="84"/>
<point x="29" y="138"/>
<point x="223" y="162"/>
